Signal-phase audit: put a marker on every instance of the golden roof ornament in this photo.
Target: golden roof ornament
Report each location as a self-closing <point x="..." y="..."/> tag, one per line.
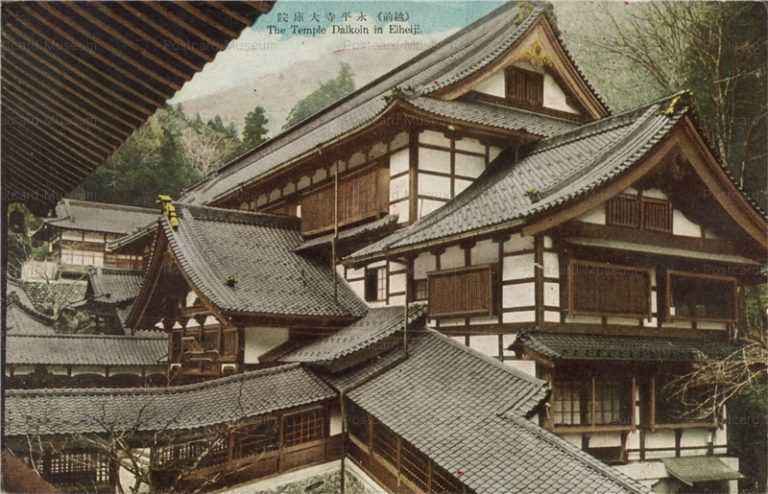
<point x="169" y="210"/>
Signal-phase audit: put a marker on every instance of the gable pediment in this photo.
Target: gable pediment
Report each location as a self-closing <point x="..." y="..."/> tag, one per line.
<point x="539" y="51"/>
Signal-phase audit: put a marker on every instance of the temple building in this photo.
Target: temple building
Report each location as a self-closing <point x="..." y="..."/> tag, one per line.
<point x="79" y="232"/>
<point x="469" y="275"/>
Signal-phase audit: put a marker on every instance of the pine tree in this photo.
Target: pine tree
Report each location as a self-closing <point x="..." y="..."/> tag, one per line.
<point x="255" y="130"/>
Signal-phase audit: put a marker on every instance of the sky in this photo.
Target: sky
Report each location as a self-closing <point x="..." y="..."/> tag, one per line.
<point x="261" y="50"/>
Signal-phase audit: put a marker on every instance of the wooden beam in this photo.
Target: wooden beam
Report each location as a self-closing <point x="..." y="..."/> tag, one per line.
<point x="125" y="74"/>
<point x="130" y="7"/>
<point x="110" y="48"/>
<point x="83" y="84"/>
<point x="232" y="14"/>
<point x="170" y="14"/>
<point x="54" y="99"/>
<point x="86" y="14"/>
<point x="188" y="8"/>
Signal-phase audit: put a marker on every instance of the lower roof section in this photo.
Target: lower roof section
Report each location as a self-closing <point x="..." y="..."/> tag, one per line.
<point x="560" y="346"/>
<point x="86" y="350"/>
<point x="90" y="411"/>
<point x="470" y="415"/>
<point x="693" y="469"/>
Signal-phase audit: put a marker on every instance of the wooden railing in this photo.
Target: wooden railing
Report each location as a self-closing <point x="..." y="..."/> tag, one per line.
<point x="461" y="292"/>
<point x="362" y="195"/>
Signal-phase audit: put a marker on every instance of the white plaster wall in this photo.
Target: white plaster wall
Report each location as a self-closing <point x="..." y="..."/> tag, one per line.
<point x="551" y="316"/>
<point x="397" y="283"/>
<point x="435" y="186"/>
<point x="452" y="257"/>
<point x="519" y="316"/>
<point x="484" y="252"/>
<point x="402" y="210"/>
<point x="260" y="340"/>
<point x="574" y="439"/>
<point x="460" y="185"/>
<point x="552" y="294"/>
<point x="483" y="320"/>
<point x="399" y="141"/>
<point x="357" y="159"/>
<point x="303" y="183"/>
<point x="20" y="370"/>
<point x="377" y="150"/>
<point x="493" y="152"/>
<point x="470" y="144"/>
<point x="551" y="265"/>
<point x="434" y="138"/>
<point x="487" y="344"/>
<point x="595" y="216"/>
<point x="692" y="438"/>
<point x="423" y="264"/>
<point x="681" y="225"/>
<point x="435" y="160"/>
<point x="554" y="96"/>
<point x="399" y="161"/>
<point x="517" y="242"/>
<point x="493" y="85"/>
<point x="469" y="165"/>
<point x="660" y="439"/>
<point x="274" y="195"/>
<point x="517" y="267"/>
<point x="605" y="440"/>
<point x="521" y="295"/>
<point x="621" y="321"/>
<point x="399" y="188"/>
<point x="335" y="421"/>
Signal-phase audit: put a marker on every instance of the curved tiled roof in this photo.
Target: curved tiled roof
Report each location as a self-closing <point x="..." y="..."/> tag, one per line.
<point x="21" y="316"/>
<point x="632" y="348"/>
<point x="97" y="350"/>
<point x="469" y="413"/>
<point x="377" y="325"/>
<point x="419" y="76"/>
<point x="83" y="411"/>
<point x="557" y="170"/>
<point x="100" y="216"/>
<point x="114" y="286"/>
<point x="256" y="250"/>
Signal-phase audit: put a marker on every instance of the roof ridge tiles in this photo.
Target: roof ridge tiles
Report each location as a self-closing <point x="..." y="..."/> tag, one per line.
<point x="120" y="337"/>
<point x="160" y="391"/>
<point x="112" y="205"/>
<point x="209" y="213"/>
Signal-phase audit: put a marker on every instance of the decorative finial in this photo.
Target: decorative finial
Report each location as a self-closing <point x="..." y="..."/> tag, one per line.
<point x="169" y="210"/>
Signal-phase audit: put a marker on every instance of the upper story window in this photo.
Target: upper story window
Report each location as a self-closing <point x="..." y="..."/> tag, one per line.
<point x="701" y="297"/>
<point x="525" y="87"/>
<point x="375" y="284"/>
<point x="302" y="427"/>
<point x="640" y="212"/>
<point x="601" y="288"/>
<point x="461" y="292"/>
<point x="592" y="402"/>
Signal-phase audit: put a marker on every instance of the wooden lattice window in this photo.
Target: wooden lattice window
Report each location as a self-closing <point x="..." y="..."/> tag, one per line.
<point x="302" y="427"/>
<point x="414" y="465"/>
<point x="81" y="468"/>
<point x="420" y="290"/>
<point x="657" y="215"/>
<point x="257" y="437"/>
<point x="361" y="195"/>
<point x="461" y="292"/>
<point x="525" y="87"/>
<point x="210" y="339"/>
<point x="703" y="297"/>
<point x="568" y="402"/>
<point x="375" y="284"/>
<point x="385" y="442"/>
<point x="611" y="403"/>
<point x="624" y="211"/>
<point x="229" y="342"/>
<point x="606" y="289"/>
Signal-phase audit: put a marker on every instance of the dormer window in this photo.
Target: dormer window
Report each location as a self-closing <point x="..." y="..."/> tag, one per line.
<point x="525" y="87"/>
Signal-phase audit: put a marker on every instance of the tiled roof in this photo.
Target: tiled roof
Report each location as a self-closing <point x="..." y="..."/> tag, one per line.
<point x="557" y="170"/>
<point x="377" y="325"/>
<point x="100" y="350"/>
<point x="256" y="249"/>
<point x="143" y="234"/>
<point x="114" y="286"/>
<point x="100" y="216"/>
<point x="633" y="348"/>
<point x="492" y="115"/>
<point x="82" y="411"/>
<point x="469" y="413"/>
<point x="384" y="225"/>
<point x="20" y="319"/>
<point x="458" y="55"/>
<point x="21" y="316"/>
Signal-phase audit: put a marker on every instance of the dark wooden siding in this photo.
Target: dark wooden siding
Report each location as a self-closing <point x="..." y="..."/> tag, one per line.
<point x="461" y="292"/>
<point x="599" y="288"/>
<point x="525" y="87"/>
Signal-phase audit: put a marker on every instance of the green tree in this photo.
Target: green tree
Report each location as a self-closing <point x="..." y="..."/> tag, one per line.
<point x="255" y="130"/>
<point x="718" y="51"/>
<point x="328" y="92"/>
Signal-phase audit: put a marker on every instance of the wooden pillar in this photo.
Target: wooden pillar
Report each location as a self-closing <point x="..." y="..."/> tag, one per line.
<point x="413" y="189"/>
<point x="538" y="273"/>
